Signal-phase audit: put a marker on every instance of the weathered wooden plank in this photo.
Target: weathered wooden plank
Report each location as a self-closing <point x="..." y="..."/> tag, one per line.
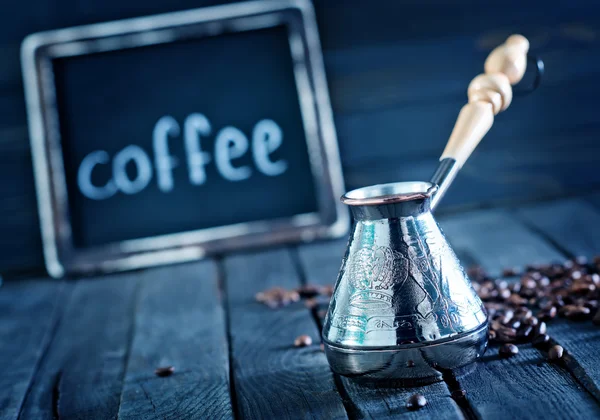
<point x="29" y="311"/>
<point x="272" y="378"/>
<point x="574" y="225"/>
<point x="526" y="386"/>
<point x="180" y="323"/>
<point x="81" y="375"/>
<point x="319" y="265"/>
<point x="493" y="239"/>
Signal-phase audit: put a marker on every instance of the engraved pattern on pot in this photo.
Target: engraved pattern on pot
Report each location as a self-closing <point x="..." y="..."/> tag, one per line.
<point x="373" y="272"/>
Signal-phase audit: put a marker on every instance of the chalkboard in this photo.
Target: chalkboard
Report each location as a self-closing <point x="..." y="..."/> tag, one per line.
<point x="165" y="138"/>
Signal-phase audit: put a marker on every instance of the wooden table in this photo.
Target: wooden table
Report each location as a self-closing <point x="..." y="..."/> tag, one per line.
<point x="88" y="348"/>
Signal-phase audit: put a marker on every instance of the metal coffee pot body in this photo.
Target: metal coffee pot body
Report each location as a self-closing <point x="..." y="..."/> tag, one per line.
<point x="403" y="307"/>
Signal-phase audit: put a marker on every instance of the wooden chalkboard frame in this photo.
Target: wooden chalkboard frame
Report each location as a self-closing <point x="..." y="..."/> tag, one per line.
<point x="37" y="51"/>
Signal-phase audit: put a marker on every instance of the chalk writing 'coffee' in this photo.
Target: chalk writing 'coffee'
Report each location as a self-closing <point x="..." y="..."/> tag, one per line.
<point x="230" y="144"/>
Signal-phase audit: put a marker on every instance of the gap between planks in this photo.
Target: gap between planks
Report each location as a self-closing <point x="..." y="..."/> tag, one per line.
<point x="222" y="283"/>
<point x="56" y="317"/>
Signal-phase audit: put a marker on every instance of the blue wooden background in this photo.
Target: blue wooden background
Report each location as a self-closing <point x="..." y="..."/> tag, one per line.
<point x="397" y="73"/>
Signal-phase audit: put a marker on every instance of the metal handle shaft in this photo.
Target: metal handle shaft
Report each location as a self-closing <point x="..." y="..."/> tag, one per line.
<point x="443" y="177"/>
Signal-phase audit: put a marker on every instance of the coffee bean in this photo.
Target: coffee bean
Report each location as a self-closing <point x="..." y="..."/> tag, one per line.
<point x="327" y="291"/>
<point x="546" y="304"/>
<point x="581" y="260"/>
<point x="308" y="291"/>
<point x="582" y="287"/>
<point x="303" y="341"/>
<point x="497" y="325"/>
<point x="548" y="314"/>
<point x="576" y="275"/>
<point x="509" y="272"/>
<point x="506" y="334"/>
<point x="508" y="312"/>
<point x="524" y="333"/>
<point x="504" y="294"/>
<point x="578" y="313"/>
<point x="410" y="363"/>
<point x="485" y="293"/>
<point x="569" y="264"/>
<point x="515" y="300"/>
<point x="541" y="341"/>
<point x="555" y="353"/>
<point x="164" y="371"/>
<point x="523" y="313"/>
<point x="501" y="284"/>
<point x="508" y="350"/>
<point x="293" y="296"/>
<point x="311" y="303"/>
<point x="416" y="401"/>
<point x="559" y="302"/>
<point x="528" y="283"/>
<point x="533" y="321"/>
<point x="488" y="284"/>
<point x="539" y="329"/>
<point x="536" y="275"/>
<point x="515" y="324"/>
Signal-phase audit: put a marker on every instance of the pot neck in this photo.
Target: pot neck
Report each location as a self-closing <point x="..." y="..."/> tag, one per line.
<point x="411" y="208"/>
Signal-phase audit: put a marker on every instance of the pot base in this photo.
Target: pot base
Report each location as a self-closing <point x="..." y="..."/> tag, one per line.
<point x="409" y="365"/>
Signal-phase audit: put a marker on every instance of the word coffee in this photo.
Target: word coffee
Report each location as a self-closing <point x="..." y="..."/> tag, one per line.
<point x="230" y="144"/>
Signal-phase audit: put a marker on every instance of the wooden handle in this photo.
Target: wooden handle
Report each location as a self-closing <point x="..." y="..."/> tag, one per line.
<point x="489" y="93"/>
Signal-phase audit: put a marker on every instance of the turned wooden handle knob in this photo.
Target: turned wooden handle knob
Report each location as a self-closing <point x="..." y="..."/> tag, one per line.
<point x="489" y="93"/>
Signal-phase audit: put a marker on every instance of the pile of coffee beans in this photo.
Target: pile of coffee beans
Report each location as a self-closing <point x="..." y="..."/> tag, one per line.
<point x="520" y="303"/>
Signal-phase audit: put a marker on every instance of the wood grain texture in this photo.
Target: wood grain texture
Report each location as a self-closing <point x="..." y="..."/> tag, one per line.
<point x="29" y="311"/>
<point x="179" y="322"/>
<point x="319" y="265"/>
<point x="81" y="375"/>
<point x="574" y="225"/>
<point x="526" y="385"/>
<point x="493" y="239"/>
<point x="272" y="378"/>
<point x="371" y="49"/>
